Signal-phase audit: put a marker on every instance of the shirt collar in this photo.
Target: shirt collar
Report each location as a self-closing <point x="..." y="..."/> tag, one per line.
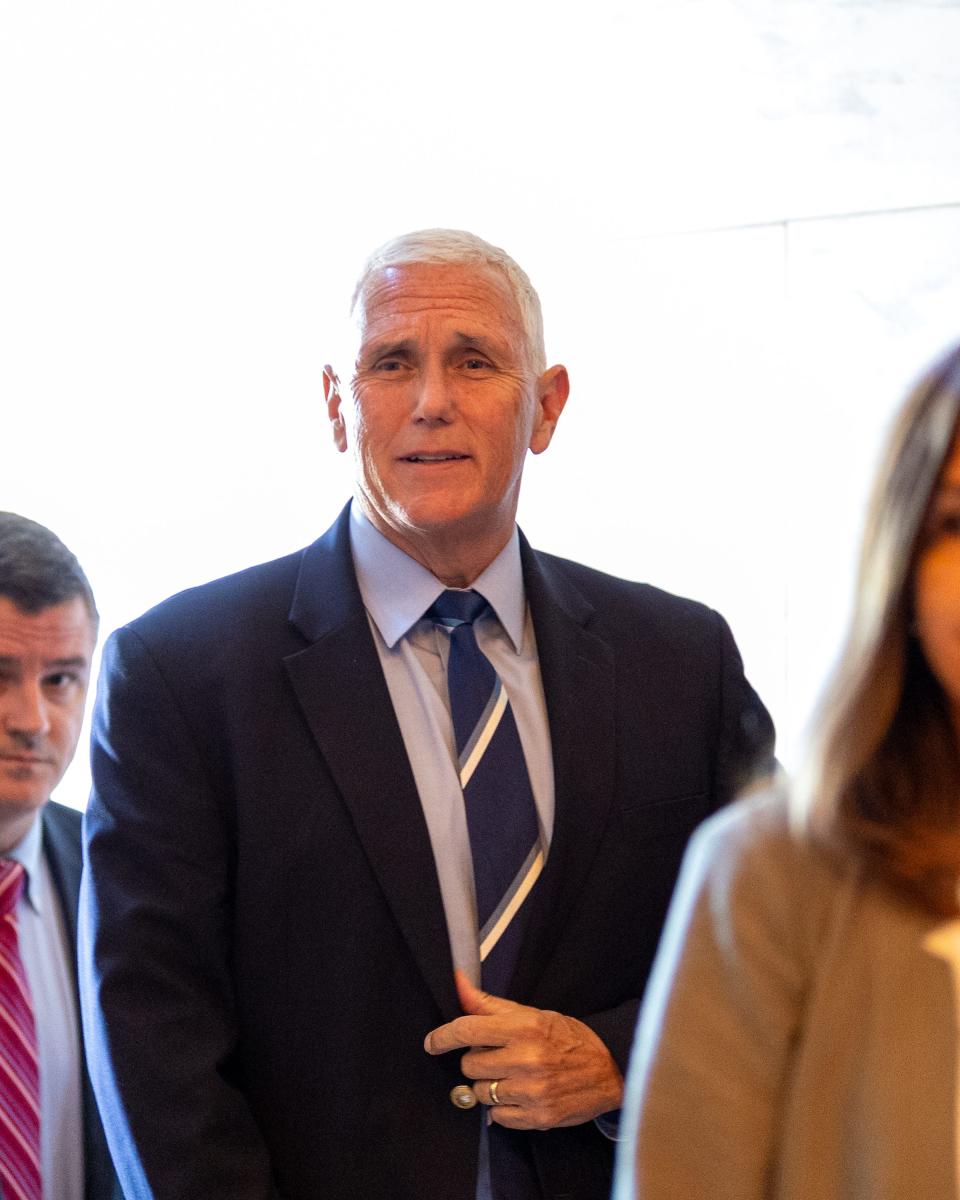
<point x="27" y="853"/>
<point x="397" y="590"/>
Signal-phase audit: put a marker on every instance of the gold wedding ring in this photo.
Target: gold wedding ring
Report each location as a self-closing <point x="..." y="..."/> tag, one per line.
<point x="494" y="1098"/>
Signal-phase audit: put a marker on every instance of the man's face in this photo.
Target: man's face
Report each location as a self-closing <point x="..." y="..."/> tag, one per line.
<point x="44" y="671"/>
<point x="443" y="406"/>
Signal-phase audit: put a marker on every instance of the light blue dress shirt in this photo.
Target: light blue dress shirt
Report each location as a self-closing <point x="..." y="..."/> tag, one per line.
<point x="45" y="950"/>
<point x="397" y="591"/>
<point x="413" y="652"/>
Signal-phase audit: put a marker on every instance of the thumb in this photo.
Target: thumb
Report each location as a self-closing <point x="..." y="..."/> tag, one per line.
<point x="476" y="1002"/>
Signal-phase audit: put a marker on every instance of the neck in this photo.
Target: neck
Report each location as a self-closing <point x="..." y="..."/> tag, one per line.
<point x="456" y="557"/>
<point x="14" y="826"/>
<point x="455" y="565"/>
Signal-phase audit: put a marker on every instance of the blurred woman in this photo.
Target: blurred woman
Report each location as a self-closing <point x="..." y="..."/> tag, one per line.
<point x="799" y="1037"/>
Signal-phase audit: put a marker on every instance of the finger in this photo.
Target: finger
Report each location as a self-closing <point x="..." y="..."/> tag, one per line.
<point x="513" y="1116"/>
<point x="490" y="1064"/>
<point x="466" y="1032"/>
<point x="477" y="1002"/>
<point x="491" y="1020"/>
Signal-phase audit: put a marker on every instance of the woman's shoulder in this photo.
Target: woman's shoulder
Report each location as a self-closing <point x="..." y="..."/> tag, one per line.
<point x="761" y="822"/>
<point x="757" y="849"/>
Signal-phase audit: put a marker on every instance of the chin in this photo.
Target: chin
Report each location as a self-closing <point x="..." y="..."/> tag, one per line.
<point x="14" y="804"/>
<point x="436" y="518"/>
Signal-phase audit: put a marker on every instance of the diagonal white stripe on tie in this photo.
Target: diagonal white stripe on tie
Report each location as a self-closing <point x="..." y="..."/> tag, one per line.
<point x="482" y="738"/>
<point x="497" y="924"/>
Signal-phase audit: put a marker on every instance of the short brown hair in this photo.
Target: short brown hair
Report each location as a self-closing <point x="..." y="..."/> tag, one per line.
<point x="36" y="568"/>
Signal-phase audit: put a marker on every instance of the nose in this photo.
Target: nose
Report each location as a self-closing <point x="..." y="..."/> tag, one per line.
<point x="434" y="399"/>
<point x="25" y="710"/>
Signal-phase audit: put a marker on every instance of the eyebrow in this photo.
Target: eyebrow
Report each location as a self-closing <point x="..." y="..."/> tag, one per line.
<point x="12" y="660"/>
<point x="482" y="342"/>
<point x="403" y="348"/>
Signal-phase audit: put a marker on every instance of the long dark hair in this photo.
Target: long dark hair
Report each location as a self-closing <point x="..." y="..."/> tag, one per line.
<point x="883" y="779"/>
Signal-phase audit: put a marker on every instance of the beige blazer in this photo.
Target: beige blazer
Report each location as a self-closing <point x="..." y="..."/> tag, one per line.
<point x="798" y="1039"/>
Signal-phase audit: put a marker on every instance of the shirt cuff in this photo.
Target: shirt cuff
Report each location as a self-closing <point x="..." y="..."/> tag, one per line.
<point x="609" y="1125"/>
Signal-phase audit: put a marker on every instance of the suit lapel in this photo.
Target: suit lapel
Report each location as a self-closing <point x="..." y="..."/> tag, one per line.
<point x="577" y="669"/>
<point x="61" y="847"/>
<point x="341" y="690"/>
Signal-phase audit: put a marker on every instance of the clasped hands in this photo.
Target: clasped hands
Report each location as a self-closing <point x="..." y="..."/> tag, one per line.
<point x="550" y="1070"/>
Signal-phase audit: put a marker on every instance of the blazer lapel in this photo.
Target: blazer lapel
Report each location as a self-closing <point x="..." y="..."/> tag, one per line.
<point x="340" y="687"/>
<point x="61" y="848"/>
<point x="577" y="669"/>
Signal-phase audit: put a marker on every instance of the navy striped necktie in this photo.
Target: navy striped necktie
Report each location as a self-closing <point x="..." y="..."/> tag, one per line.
<point x="501" y="814"/>
<point x="504" y="843"/>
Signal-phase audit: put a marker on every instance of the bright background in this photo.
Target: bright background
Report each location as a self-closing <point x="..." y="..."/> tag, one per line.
<point x="743" y="219"/>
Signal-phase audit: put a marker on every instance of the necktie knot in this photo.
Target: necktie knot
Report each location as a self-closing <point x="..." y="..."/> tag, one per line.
<point x="12" y="879"/>
<point x="457" y="608"/>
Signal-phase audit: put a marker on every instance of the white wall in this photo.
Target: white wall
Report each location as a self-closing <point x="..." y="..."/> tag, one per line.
<point x="743" y="219"/>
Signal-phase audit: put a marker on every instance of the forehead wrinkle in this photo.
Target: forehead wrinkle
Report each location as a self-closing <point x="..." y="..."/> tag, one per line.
<point x="411" y="290"/>
<point x="403" y="311"/>
<point x="401" y="303"/>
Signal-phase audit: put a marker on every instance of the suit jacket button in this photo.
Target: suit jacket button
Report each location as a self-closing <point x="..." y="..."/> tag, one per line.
<point x="462" y="1096"/>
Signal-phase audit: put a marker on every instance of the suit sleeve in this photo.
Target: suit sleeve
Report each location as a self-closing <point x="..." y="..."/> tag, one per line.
<point x="157" y="999"/>
<point x="746" y="745"/>
<point x="742" y="753"/>
<point x="719" y="1019"/>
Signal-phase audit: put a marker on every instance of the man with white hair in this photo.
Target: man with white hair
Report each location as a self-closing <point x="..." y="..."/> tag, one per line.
<point x="382" y="833"/>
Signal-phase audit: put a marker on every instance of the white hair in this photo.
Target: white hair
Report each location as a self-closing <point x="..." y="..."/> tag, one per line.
<point x="466" y="249"/>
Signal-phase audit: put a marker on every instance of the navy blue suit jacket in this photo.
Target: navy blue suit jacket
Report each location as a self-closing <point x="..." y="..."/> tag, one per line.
<point x="268" y="945"/>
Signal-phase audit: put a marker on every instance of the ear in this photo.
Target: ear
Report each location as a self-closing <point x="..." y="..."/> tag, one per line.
<point x="552" y="388"/>
<point x="331" y="393"/>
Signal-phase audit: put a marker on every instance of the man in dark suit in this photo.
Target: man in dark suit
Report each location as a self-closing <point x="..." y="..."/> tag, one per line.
<point x="282" y="846"/>
<point x="48" y="625"/>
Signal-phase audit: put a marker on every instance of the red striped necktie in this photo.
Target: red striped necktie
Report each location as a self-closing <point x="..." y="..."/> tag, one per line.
<point x="19" y="1075"/>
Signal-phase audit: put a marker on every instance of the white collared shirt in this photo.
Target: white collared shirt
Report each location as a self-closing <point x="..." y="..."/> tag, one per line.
<point x="45" y="950"/>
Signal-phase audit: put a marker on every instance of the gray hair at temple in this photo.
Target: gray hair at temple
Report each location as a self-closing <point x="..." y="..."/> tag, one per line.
<point x="37" y="570"/>
<point x="457" y="247"/>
